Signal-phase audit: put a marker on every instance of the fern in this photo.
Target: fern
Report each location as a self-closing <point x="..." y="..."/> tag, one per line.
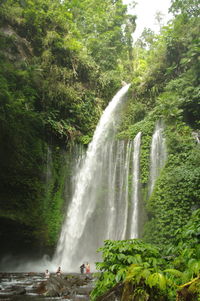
<point x="194" y="266"/>
<point x="121" y="275"/>
<point x="157" y="279"/>
<point x="133" y="270"/>
<point x="174" y="272"/>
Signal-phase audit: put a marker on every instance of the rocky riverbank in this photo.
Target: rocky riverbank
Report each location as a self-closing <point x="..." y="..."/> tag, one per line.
<point x="72" y="287"/>
<point x="32" y="286"/>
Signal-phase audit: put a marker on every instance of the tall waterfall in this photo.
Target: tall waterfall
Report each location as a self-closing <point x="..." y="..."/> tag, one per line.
<point x="158" y="154"/>
<point x="135" y="186"/>
<point x="99" y="206"/>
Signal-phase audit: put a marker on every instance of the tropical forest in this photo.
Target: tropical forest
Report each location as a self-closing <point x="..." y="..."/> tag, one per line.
<point x="100" y="149"/>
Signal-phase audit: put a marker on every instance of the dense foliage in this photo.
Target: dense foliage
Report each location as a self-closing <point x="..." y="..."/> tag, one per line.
<point x="165" y="86"/>
<point x="148" y="275"/>
<point x="59" y="65"/>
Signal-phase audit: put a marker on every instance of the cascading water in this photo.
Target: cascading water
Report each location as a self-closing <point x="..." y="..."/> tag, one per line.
<point x="158" y="154"/>
<point x="135" y="186"/>
<point x="104" y="185"/>
<point x="90" y="209"/>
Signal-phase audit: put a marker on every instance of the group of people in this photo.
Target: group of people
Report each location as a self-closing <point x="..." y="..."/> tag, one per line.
<point x="85" y="268"/>
<point x="58" y="273"/>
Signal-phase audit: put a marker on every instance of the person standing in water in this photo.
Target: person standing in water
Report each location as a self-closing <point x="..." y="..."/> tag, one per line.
<point x="82" y="267"/>
<point x="87" y="266"/>
<point x="47" y="274"/>
<point x="58" y="273"/>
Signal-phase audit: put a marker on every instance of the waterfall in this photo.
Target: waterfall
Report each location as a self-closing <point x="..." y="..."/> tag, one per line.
<point x="158" y="154"/>
<point x="87" y="222"/>
<point x="125" y="198"/>
<point x="135" y="186"/>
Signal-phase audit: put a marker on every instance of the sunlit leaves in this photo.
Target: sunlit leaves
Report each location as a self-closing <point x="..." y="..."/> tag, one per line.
<point x="157" y="279"/>
<point x="135" y="273"/>
<point x="189" y="7"/>
<point x="142" y="266"/>
<point x="129" y="260"/>
<point x="174" y="272"/>
<point x="121" y="274"/>
<point x="194" y="266"/>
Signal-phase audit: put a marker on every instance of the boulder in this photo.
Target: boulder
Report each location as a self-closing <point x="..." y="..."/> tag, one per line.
<point x="19" y="291"/>
<point x="76" y="286"/>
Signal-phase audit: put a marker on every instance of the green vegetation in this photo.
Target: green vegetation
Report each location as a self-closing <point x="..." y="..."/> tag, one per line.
<point x="60" y="63"/>
<point x="146" y="274"/>
<point x="58" y="70"/>
<point x="165" y="86"/>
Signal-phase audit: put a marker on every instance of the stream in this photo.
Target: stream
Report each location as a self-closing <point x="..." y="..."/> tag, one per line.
<point x="30" y="286"/>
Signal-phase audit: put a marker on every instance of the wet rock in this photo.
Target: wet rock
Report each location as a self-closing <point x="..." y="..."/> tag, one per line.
<point x="19" y="291"/>
<point x="57" y="286"/>
<point x="84" y="290"/>
<point x="14" y="291"/>
<point x="70" y="286"/>
<point x="41" y="288"/>
<point x="81" y="298"/>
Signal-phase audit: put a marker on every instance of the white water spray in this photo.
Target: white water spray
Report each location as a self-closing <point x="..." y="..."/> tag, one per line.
<point x="135" y="187"/>
<point x="158" y="154"/>
<point x="75" y="242"/>
<point x="102" y="206"/>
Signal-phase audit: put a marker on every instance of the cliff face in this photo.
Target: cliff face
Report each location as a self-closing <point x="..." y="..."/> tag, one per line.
<point x="31" y="191"/>
<point x="20" y="49"/>
<point x="35" y="156"/>
<point x="57" y="73"/>
<point x="52" y="92"/>
<point x="45" y="104"/>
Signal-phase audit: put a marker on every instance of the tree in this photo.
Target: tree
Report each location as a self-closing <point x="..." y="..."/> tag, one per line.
<point x="159" y="18"/>
<point x="189" y="8"/>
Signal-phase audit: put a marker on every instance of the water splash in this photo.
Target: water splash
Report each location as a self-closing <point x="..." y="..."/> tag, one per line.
<point x="158" y="154"/>
<point x="102" y="206"/>
<point x="136" y="187"/>
<point x="75" y="239"/>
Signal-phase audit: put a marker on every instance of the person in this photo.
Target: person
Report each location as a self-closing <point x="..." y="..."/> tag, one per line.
<point x="82" y="267"/>
<point x="58" y="273"/>
<point x="87" y="266"/>
<point x="47" y="274"/>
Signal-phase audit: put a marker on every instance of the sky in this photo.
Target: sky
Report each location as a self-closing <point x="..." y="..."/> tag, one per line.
<point x="145" y="11"/>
